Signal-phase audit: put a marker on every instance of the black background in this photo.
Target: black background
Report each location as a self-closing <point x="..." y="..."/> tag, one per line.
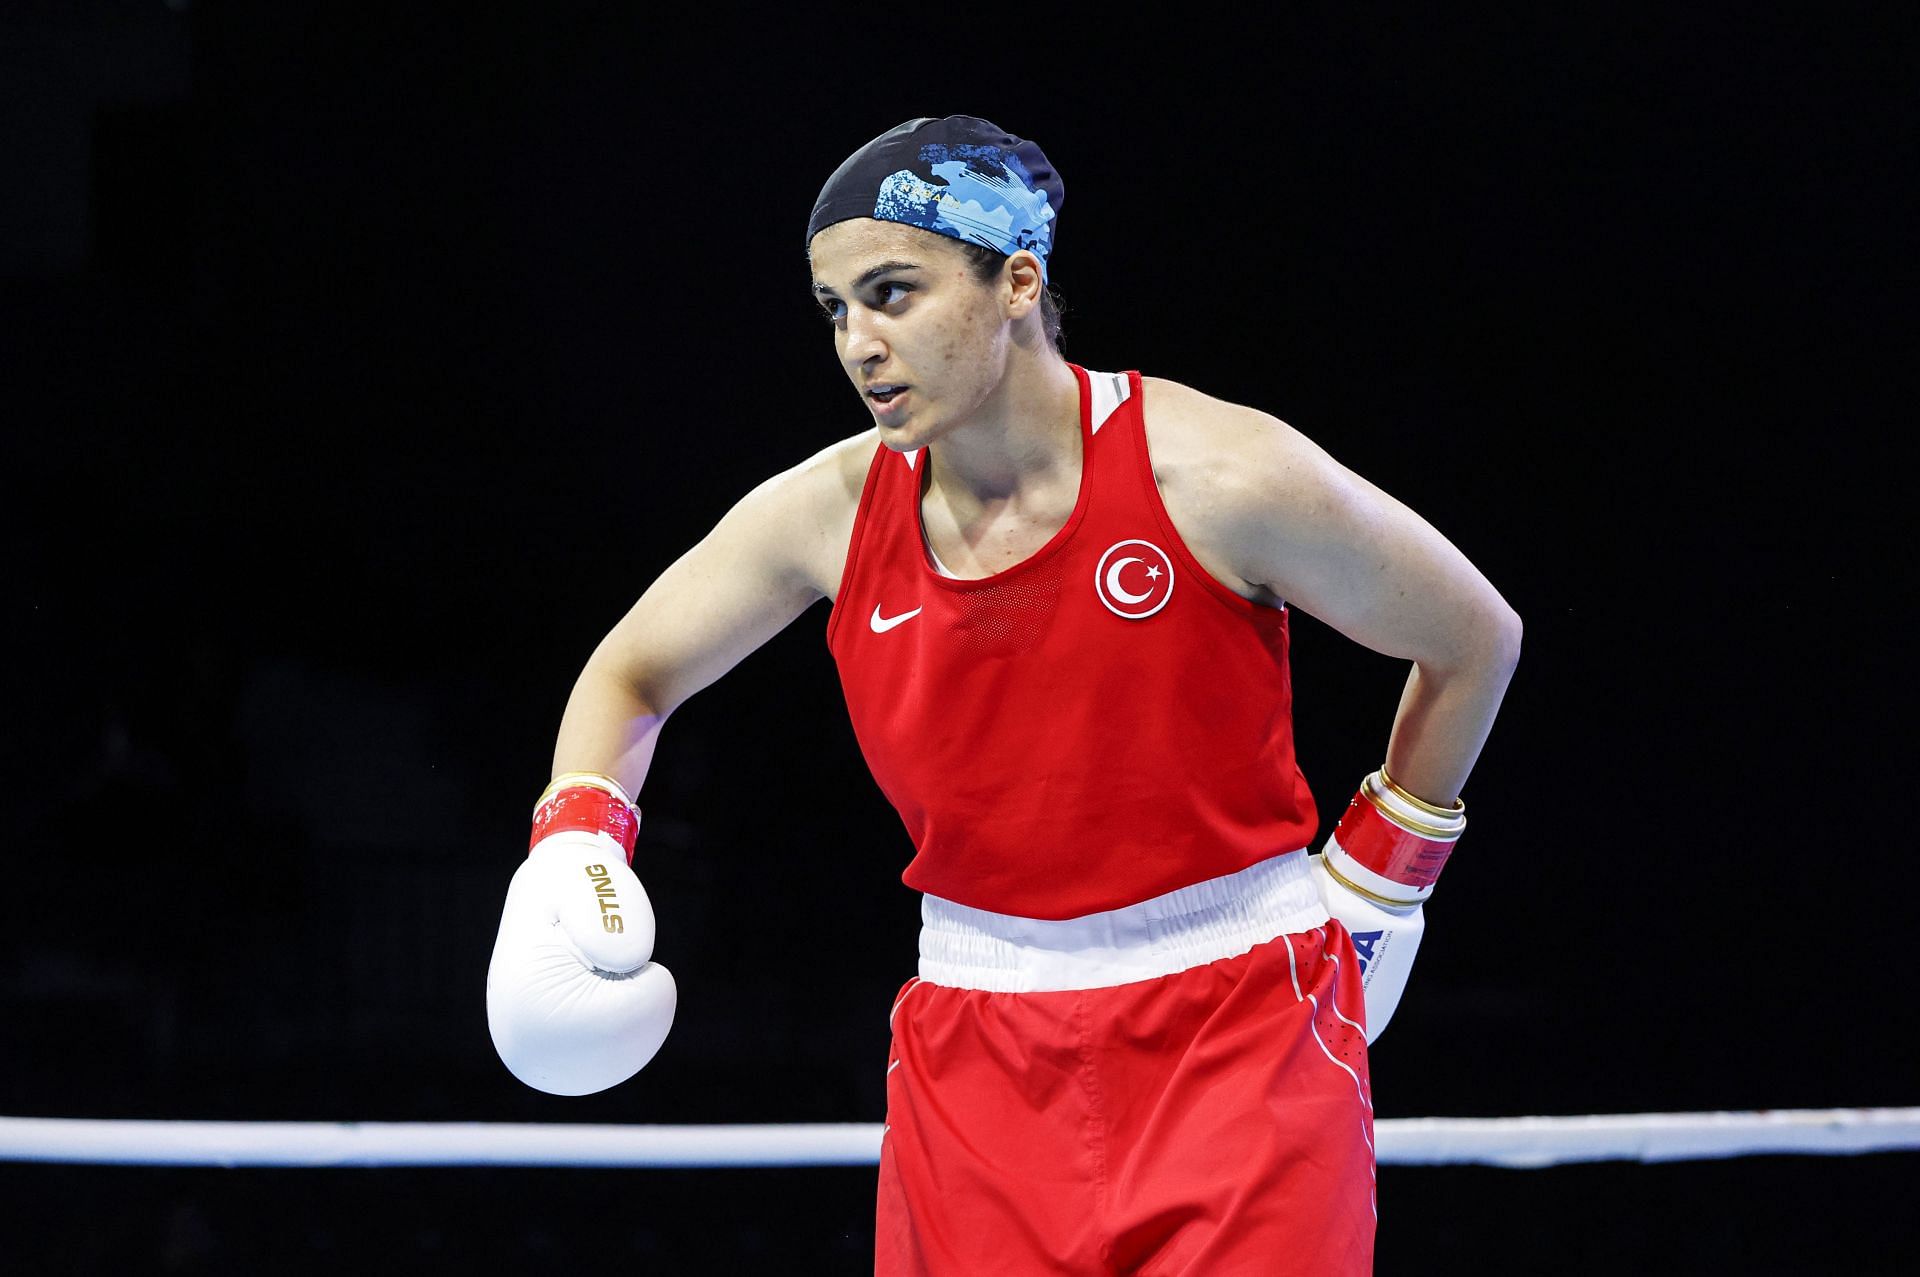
<point x="364" y="364"/>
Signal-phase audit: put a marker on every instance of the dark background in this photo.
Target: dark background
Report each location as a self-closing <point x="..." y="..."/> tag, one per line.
<point x="363" y="365"/>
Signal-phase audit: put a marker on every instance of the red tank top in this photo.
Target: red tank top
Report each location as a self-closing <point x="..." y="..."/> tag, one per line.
<point x="1096" y="725"/>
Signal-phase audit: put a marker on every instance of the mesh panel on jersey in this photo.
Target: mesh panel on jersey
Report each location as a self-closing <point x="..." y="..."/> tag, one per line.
<point x="1007" y="619"/>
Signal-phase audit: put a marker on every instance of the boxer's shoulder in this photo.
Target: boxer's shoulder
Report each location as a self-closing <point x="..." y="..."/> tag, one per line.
<point x="830" y="481"/>
<point x="1194" y="437"/>
<point x="811" y="506"/>
<point x="1215" y="462"/>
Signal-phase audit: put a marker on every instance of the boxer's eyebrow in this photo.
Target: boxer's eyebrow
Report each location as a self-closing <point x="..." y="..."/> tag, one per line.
<point x="869" y="275"/>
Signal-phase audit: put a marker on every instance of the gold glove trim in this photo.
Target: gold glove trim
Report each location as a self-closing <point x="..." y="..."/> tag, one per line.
<point x="1400" y="820"/>
<point x="1459" y="806"/>
<point x="596" y="780"/>
<point x="1326" y="863"/>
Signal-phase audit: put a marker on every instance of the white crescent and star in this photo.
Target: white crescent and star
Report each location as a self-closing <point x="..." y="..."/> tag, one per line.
<point x="1123" y="602"/>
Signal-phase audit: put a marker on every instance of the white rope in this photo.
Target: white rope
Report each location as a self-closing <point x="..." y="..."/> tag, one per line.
<point x="1522" y="1142"/>
<point x="165" y="1143"/>
<point x="1529" y="1142"/>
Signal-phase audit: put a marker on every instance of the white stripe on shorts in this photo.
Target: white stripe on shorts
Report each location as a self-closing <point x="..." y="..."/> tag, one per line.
<point x="966" y="948"/>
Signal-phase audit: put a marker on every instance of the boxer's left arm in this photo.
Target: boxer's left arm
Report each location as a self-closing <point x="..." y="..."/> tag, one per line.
<point x="1337" y="547"/>
<point x="1283" y="514"/>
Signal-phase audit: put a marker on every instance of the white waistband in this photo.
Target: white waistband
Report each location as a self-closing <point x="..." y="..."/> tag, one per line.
<point x="966" y="948"/>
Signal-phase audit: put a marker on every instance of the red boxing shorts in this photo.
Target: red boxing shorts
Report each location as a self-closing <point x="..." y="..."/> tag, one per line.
<point x="1178" y="1087"/>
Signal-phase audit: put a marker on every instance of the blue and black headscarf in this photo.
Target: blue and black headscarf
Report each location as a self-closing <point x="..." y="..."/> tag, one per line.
<point x="960" y="176"/>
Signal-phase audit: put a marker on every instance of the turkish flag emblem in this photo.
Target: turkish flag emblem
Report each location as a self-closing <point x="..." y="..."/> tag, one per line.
<point x="1134" y="579"/>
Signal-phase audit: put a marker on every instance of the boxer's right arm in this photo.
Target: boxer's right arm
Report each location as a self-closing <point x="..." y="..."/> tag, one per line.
<point x="574" y="1002"/>
<point x="770" y="558"/>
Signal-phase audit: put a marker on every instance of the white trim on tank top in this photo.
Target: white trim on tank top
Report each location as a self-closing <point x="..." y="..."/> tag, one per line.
<point x="1109" y="390"/>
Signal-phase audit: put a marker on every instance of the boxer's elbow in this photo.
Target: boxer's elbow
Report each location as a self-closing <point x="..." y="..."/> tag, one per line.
<point x="632" y="689"/>
<point x="1504" y="633"/>
<point x="1483" y="640"/>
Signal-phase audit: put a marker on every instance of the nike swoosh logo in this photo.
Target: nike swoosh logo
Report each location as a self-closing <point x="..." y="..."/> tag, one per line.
<point x="881" y="624"/>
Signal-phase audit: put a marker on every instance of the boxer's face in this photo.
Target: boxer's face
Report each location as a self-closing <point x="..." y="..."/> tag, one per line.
<point x="921" y="338"/>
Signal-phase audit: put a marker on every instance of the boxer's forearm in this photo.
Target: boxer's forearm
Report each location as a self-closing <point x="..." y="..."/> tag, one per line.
<point x="1446" y="714"/>
<point x="608" y="727"/>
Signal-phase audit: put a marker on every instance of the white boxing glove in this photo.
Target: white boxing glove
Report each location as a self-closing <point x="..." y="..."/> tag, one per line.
<point x="1385" y="939"/>
<point x="1376" y="873"/>
<point x="573" y="1002"/>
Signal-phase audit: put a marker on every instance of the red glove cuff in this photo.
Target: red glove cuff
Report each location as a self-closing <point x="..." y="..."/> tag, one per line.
<point x="1402" y="838"/>
<point x="588" y="802"/>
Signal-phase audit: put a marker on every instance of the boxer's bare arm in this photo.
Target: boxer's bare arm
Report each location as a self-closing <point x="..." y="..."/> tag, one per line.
<point x="779" y="550"/>
<point x="1259" y="498"/>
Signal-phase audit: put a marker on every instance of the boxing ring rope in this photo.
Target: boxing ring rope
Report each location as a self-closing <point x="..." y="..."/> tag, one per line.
<point x="1516" y="1142"/>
